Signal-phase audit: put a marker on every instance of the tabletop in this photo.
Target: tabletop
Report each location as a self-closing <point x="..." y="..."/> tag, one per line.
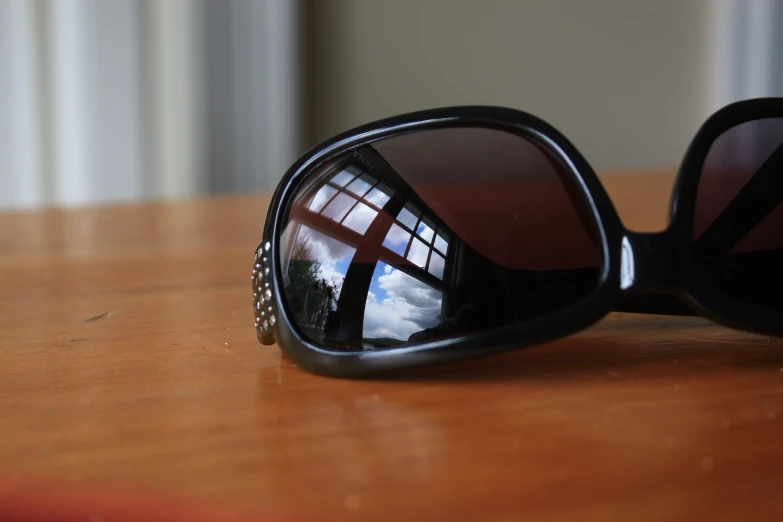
<point x="129" y="363"/>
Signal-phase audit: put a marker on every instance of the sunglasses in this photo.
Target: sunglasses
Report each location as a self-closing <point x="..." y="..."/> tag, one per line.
<point x="465" y="231"/>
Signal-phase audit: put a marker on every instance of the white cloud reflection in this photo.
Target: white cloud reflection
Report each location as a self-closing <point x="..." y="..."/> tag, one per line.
<point x="410" y="306"/>
<point x="332" y="255"/>
<point x="396" y="239"/>
<point x="418" y="253"/>
<point x="325" y="249"/>
<point x="321" y="197"/>
<point x="360" y="218"/>
<point x="401" y="306"/>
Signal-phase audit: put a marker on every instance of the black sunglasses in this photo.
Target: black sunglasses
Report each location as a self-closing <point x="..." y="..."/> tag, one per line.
<point x="465" y="231"/>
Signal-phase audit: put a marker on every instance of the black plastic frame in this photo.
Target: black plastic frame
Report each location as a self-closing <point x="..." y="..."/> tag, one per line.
<point x="635" y="265"/>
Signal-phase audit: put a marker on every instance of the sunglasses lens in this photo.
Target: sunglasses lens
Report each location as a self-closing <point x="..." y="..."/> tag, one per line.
<point x="436" y="234"/>
<point x="738" y="222"/>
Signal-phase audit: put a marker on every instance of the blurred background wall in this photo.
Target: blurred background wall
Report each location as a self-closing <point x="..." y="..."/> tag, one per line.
<point x="123" y="100"/>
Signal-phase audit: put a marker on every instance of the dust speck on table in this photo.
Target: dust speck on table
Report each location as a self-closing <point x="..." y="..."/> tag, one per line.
<point x="98" y="317"/>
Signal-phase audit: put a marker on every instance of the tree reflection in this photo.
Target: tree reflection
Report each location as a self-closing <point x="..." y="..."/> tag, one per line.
<point x="310" y="296"/>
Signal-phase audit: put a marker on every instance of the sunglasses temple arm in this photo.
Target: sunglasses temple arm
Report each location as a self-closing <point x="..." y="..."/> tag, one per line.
<point x="757" y="199"/>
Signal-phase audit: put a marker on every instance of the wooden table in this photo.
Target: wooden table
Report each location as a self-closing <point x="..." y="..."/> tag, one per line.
<point x="128" y="362"/>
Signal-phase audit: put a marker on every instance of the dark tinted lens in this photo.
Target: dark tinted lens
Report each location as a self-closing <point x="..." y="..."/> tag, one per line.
<point x="739" y="215"/>
<point x="436" y="234"/>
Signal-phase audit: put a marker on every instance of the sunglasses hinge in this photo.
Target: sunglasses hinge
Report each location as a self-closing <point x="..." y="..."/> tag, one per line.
<point x="649" y="263"/>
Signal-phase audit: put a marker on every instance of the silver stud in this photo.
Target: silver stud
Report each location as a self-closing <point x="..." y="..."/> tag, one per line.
<point x="258" y="305"/>
<point x="268" y="294"/>
<point x="263" y="314"/>
<point x="266" y="285"/>
<point x="272" y="320"/>
<point x="266" y="326"/>
<point x="267" y="246"/>
<point x="253" y="276"/>
<point x="258" y="266"/>
<point x="259" y="290"/>
<point x="265" y="260"/>
<point x="266" y="271"/>
<point x="269" y="309"/>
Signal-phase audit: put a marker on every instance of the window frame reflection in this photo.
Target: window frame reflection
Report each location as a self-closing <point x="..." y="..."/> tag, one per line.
<point x="338" y="180"/>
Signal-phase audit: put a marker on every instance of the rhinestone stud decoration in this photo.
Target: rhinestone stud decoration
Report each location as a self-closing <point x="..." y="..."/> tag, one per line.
<point x="263" y="309"/>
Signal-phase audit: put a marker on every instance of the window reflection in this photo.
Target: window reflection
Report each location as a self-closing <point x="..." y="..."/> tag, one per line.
<point x="397" y="239"/>
<point x="360" y="186"/>
<point x="441" y="243"/>
<point x="360" y="218"/>
<point x="339" y="206"/>
<point x="417" y="253"/>
<point x="322" y="197"/>
<point x="418" y="244"/>
<point x="437" y="263"/>
<point x="425" y="231"/>
<point x="379" y="195"/>
<point x="407" y="217"/>
<point x="341" y="179"/>
<point x="363" y="234"/>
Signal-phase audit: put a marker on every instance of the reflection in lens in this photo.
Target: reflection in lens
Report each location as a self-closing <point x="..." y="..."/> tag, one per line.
<point x="360" y="218"/>
<point x="738" y="220"/>
<point x="436" y="234"/>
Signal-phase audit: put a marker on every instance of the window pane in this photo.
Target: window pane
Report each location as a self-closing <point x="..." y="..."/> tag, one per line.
<point x="379" y="196"/>
<point x="441" y="243"/>
<point x="358" y="187"/>
<point x="339" y="207"/>
<point x="397" y="239"/>
<point x="369" y="180"/>
<point x="323" y="195"/>
<point x="418" y="253"/>
<point x="360" y="218"/>
<point x="408" y="216"/>
<point x="425" y="231"/>
<point x="437" y="262"/>
<point x="345" y="177"/>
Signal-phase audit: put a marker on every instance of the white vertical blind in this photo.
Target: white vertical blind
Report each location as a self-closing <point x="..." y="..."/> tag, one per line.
<point x="72" y="165"/>
<point x="747" y="53"/>
<point x="253" y="91"/>
<point x="115" y="100"/>
<point x="21" y="165"/>
<point x="95" y="96"/>
<point x="176" y="75"/>
<point x="282" y="96"/>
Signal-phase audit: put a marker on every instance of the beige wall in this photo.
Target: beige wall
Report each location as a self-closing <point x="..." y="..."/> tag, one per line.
<point x="626" y="80"/>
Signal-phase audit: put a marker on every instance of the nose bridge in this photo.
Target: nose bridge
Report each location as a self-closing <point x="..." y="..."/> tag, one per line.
<point x="649" y="263"/>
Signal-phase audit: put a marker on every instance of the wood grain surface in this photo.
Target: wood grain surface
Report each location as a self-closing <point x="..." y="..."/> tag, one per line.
<point x="128" y="361"/>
